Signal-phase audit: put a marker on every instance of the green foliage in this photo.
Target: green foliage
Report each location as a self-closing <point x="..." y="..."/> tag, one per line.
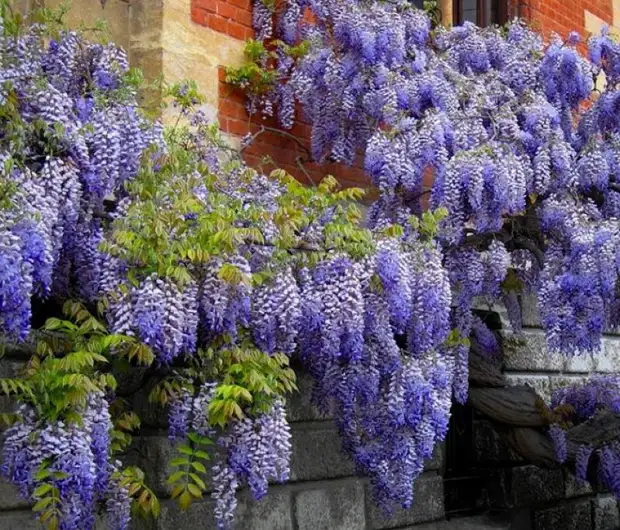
<point x="456" y="339"/>
<point x="249" y="381"/>
<point x="144" y="502"/>
<point x="257" y="75"/>
<point x="69" y="364"/>
<point x="47" y="495"/>
<point x="125" y="423"/>
<point x="188" y="480"/>
<point x="429" y="224"/>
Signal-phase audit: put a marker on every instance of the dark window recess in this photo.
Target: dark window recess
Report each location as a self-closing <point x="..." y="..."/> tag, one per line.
<point x="480" y="12"/>
<point x="465" y="483"/>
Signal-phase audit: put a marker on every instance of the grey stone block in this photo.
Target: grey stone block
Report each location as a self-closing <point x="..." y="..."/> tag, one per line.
<point x="9" y="497"/>
<point x="25" y="520"/>
<point x="525" y="486"/>
<point x="540" y="383"/>
<point x="573" y="516"/>
<point x="605" y="513"/>
<point x="480" y="522"/>
<point x="271" y="513"/>
<point x="559" y="381"/>
<point x="331" y="508"/>
<point x="527" y="351"/>
<point x="529" y="312"/>
<point x="609" y="360"/>
<point x="584" y="363"/>
<point x="153" y="454"/>
<point x="436" y="461"/>
<point x="427" y="506"/>
<point x="489" y="447"/>
<point x="300" y="407"/>
<point x="316" y="453"/>
<point x="152" y="415"/>
<point x="575" y="487"/>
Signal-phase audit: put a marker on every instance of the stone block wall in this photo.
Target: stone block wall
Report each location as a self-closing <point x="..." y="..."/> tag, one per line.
<point x="323" y="493"/>
<point x="528" y="497"/>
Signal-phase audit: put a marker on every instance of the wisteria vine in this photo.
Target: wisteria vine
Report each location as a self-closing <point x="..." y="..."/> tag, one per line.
<point x="213" y="275"/>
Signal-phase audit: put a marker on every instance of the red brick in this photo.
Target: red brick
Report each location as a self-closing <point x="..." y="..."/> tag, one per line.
<point x="232" y="109"/>
<point x="207" y="5"/>
<point x="218" y="23"/>
<point x="238" y="127"/>
<point x="242" y="4"/>
<point x="244" y="17"/>
<point x="226" y="10"/>
<point x="200" y="16"/>
<point x="236" y="30"/>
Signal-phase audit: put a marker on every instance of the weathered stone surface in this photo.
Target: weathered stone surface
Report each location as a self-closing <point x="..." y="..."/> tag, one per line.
<point x="9" y="497"/>
<point x="186" y="44"/>
<point x="573" y="516"/>
<point x="609" y="360"/>
<point x="529" y="312"/>
<point x="483" y="522"/>
<point x="153" y="453"/>
<point x="25" y="520"/>
<point x="540" y="383"/>
<point x="575" y="487"/>
<point x="525" y="486"/>
<point x="436" y="461"/>
<point x="316" y="453"/>
<point x="559" y="381"/>
<point x="87" y="13"/>
<point x="427" y="505"/>
<point x="338" y="507"/>
<point x="300" y="407"/>
<point x="605" y="513"/>
<point x="271" y="513"/>
<point x="583" y="364"/>
<point x="488" y="445"/>
<point x="528" y="352"/>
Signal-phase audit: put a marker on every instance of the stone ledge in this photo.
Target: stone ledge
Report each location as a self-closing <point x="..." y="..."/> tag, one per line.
<point x="605" y="513"/>
<point x="525" y="486"/>
<point x="271" y="513"/>
<point x="337" y="507"/>
<point x="316" y="453"/>
<point x="527" y="351"/>
<point x="571" y="516"/>
<point x="427" y="506"/>
<point x="21" y="520"/>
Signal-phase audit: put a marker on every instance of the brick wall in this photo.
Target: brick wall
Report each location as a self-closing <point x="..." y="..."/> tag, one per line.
<point x="233" y="18"/>
<point x="563" y="16"/>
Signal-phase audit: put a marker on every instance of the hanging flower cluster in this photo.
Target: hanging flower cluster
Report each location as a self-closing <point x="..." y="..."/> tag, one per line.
<point x="71" y="137"/>
<point x="216" y="274"/>
<point x="69" y="465"/>
<point x="577" y="404"/>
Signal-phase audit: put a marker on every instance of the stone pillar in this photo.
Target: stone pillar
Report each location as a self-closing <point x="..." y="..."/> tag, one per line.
<point x="446" y="12"/>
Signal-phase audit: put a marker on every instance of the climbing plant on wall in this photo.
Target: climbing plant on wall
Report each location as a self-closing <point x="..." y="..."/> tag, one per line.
<point x="166" y="252"/>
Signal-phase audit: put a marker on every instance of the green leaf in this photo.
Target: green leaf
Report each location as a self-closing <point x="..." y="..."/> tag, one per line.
<point x="175" y="477"/>
<point x="194" y="490"/>
<point x="199" y="467"/>
<point x="198" y="481"/>
<point x="186" y="450"/>
<point x="185" y="500"/>
<point x="42" y="489"/>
